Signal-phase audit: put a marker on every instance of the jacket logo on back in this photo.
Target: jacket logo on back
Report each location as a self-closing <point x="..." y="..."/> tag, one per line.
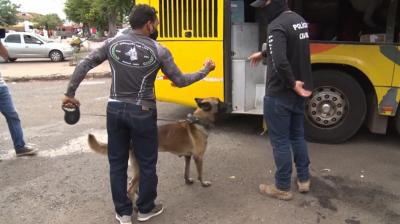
<point x="132" y="54"/>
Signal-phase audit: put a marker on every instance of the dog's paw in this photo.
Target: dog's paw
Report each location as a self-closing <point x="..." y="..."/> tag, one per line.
<point x="206" y="183"/>
<point x="189" y="181"/>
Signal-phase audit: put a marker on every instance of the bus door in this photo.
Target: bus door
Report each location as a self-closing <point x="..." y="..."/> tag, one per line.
<point x="247" y="35"/>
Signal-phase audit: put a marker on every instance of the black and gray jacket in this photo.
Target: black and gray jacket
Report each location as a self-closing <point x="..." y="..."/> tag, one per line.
<point x="288" y="54"/>
<point x="135" y="60"/>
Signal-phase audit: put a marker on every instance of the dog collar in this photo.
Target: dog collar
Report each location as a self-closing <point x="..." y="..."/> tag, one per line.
<point x="192" y="119"/>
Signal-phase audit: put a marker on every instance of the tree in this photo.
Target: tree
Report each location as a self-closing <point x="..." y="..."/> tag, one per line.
<point x="49" y="21"/>
<point x="103" y="14"/>
<point x="114" y="11"/>
<point x="8" y="13"/>
<point x="82" y="11"/>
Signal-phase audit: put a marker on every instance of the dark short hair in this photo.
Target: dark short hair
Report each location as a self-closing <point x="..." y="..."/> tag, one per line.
<point x="141" y="14"/>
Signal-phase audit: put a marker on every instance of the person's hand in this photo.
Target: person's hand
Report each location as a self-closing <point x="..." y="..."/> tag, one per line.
<point x="299" y="89"/>
<point x="210" y="64"/>
<point x="255" y="58"/>
<point x="70" y="102"/>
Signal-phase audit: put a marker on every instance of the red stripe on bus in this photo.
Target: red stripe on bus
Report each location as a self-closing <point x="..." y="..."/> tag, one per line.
<point x="318" y="48"/>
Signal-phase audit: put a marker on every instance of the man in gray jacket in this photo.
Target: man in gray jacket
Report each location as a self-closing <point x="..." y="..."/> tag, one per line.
<point x="135" y="59"/>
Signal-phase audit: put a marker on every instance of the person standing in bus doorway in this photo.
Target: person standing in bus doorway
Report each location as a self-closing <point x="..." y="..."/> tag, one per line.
<point x="289" y="83"/>
<point x="135" y="59"/>
<point x="8" y="110"/>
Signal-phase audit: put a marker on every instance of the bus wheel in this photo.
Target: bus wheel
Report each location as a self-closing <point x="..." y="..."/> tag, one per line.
<point x="336" y="109"/>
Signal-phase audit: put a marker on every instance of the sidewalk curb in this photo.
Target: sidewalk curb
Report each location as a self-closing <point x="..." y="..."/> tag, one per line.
<point x="52" y="77"/>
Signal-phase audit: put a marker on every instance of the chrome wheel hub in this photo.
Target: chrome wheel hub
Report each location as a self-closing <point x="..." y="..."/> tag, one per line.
<point x="327" y="107"/>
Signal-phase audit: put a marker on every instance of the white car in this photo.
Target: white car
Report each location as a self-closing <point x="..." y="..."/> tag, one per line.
<point x="31" y="45"/>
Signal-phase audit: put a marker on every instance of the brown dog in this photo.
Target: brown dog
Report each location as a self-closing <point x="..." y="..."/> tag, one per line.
<point x="186" y="138"/>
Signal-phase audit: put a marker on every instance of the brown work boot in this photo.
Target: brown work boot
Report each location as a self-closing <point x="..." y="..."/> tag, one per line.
<point x="273" y="192"/>
<point x="303" y="187"/>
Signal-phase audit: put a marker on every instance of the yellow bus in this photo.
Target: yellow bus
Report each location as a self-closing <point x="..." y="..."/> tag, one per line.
<point x="355" y="59"/>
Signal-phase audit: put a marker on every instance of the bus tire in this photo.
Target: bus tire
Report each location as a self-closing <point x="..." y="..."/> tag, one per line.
<point x="336" y="109"/>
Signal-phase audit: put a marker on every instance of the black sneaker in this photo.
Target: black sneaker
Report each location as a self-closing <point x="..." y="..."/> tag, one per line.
<point x="27" y="151"/>
<point x="157" y="210"/>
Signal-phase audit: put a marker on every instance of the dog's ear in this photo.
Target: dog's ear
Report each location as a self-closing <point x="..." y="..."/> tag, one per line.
<point x="206" y="106"/>
<point x="198" y="101"/>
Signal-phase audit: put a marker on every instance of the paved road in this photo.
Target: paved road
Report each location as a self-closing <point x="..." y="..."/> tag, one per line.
<point x="356" y="182"/>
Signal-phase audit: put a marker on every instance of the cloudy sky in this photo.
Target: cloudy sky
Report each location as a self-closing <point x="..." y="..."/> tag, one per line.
<point x="42" y="6"/>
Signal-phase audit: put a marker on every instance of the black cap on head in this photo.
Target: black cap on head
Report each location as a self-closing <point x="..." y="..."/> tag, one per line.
<point x="261" y="3"/>
<point x="271" y="10"/>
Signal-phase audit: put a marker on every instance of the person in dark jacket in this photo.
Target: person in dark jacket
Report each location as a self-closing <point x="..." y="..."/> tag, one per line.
<point x="289" y="83"/>
<point x="135" y="58"/>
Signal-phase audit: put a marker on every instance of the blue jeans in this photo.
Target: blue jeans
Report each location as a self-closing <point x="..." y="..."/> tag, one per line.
<point x="285" y="121"/>
<point x="14" y="124"/>
<point x="129" y="124"/>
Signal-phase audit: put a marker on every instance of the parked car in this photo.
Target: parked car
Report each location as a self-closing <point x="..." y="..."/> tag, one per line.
<point x="31" y="45"/>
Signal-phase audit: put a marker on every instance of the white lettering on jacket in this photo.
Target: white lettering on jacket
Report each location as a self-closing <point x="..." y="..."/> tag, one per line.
<point x="299" y="26"/>
<point x="303" y="36"/>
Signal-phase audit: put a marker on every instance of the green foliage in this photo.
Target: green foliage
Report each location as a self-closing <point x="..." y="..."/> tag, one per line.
<point x="49" y="21"/>
<point x="8" y="13"/>
<point x="102" y="14"/>
<point x="77" y="10"/>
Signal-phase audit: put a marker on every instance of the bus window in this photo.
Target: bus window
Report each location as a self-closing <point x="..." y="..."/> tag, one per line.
<point x="344" y="20"/>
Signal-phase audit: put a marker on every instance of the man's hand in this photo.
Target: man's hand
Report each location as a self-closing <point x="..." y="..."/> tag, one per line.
<point x="255" y="58"/>
<point x="298" y="88"/>
<point x="210" y="64"/>
<point x="70" y="102"/>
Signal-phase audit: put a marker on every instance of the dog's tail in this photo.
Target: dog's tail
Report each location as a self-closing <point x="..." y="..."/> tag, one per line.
<point x="97" y="146"/>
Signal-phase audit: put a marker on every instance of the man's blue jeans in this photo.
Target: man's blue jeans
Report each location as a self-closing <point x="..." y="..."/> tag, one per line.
<point x="285" y="121"/>
<point x="130" y="125"/>
<point x="14" y="124"/>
